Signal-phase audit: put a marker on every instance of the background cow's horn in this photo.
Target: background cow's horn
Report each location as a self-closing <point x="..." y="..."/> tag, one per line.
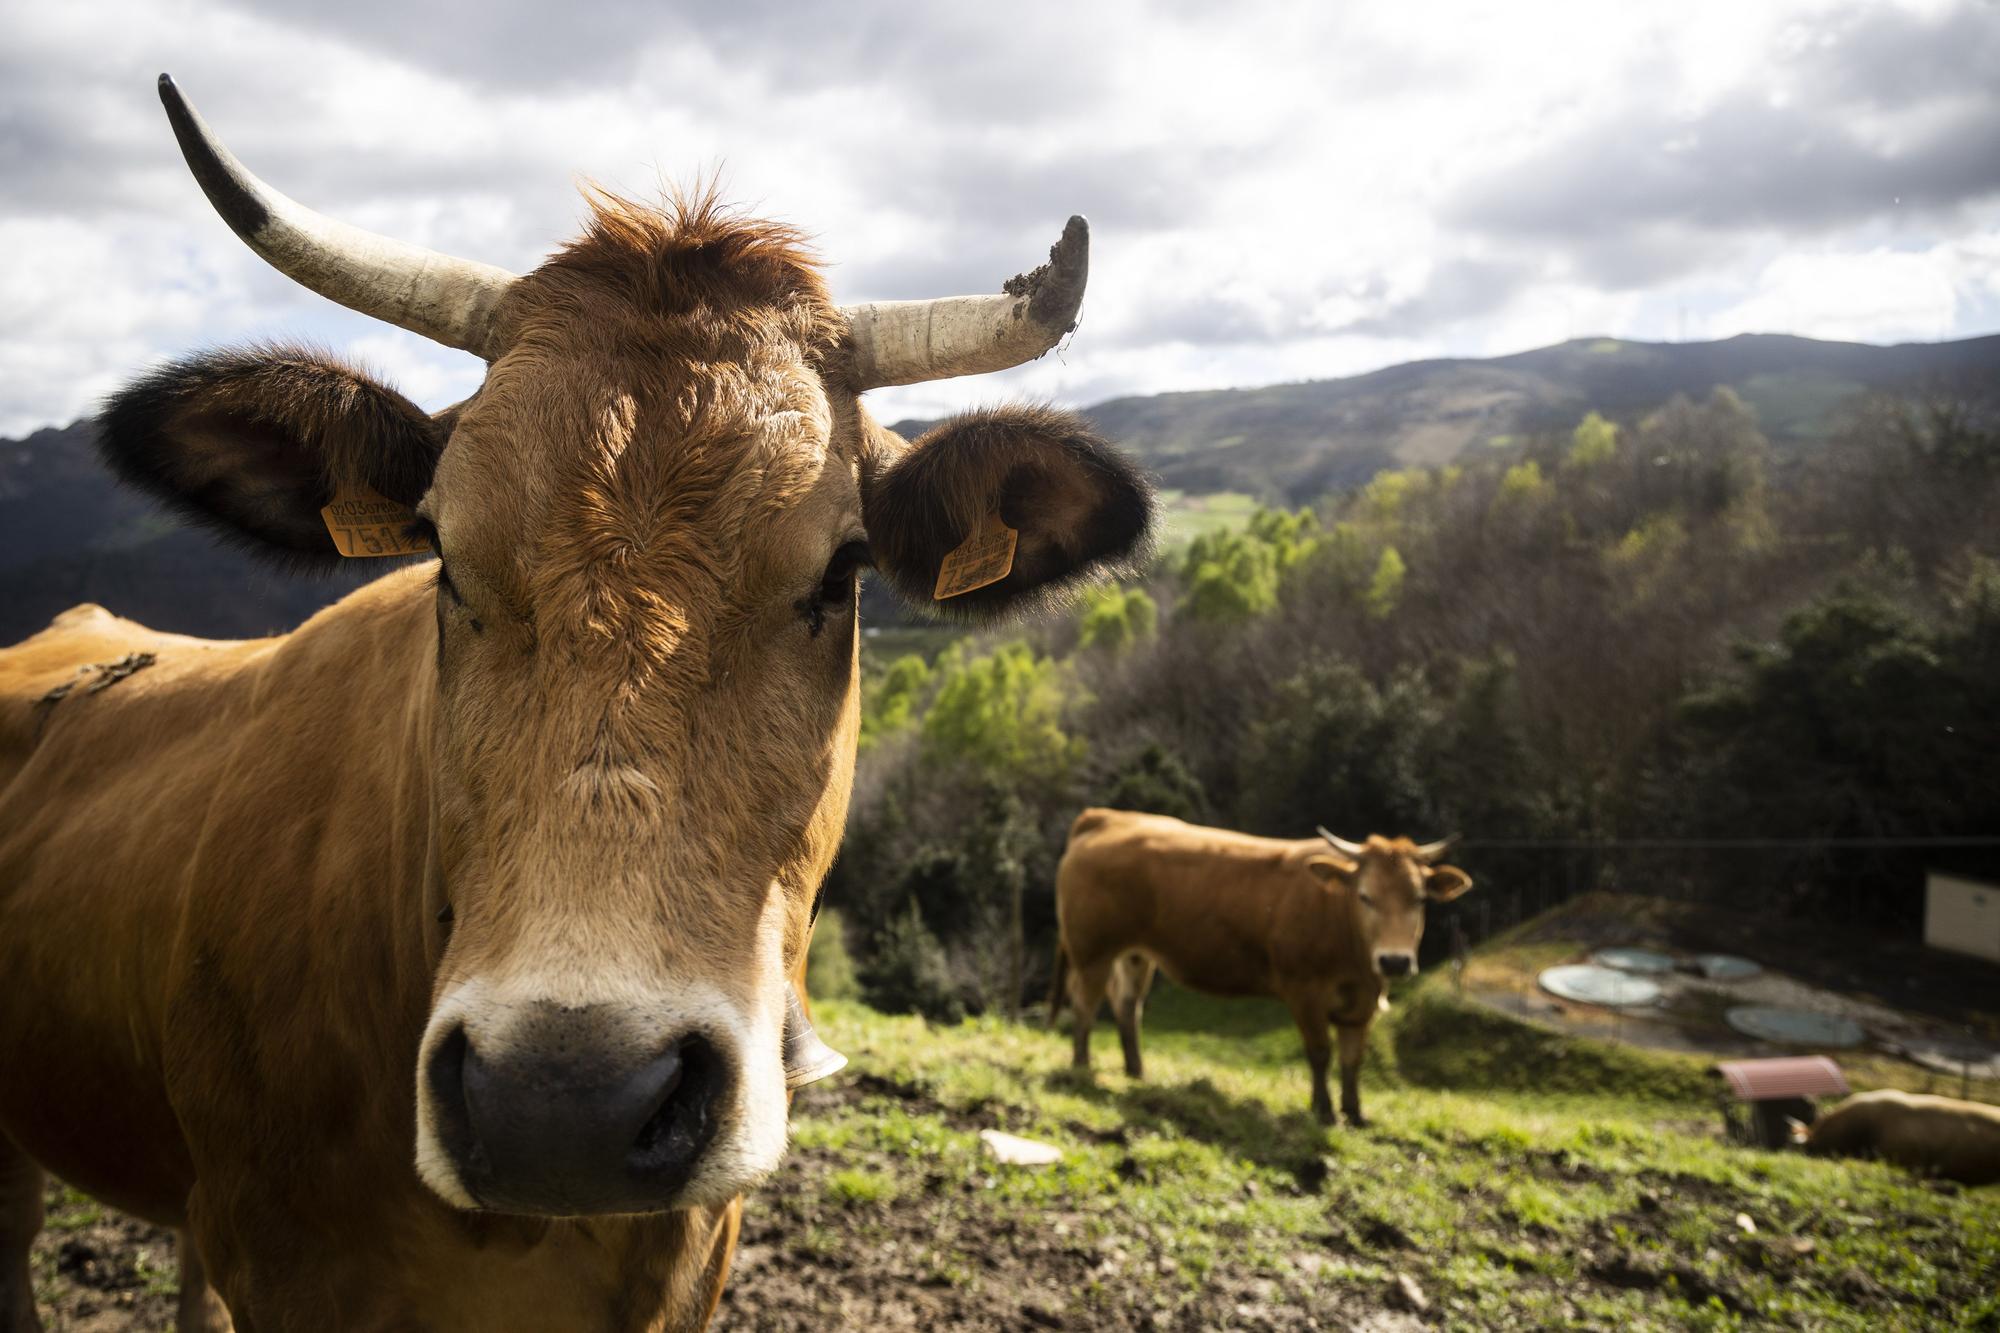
<point x="448" y="300"/>
<point x="1341" y="845"/>
<point x="909" y="342"/>
<point x="1431" y="851"/>
<point x="807" y="1058"/>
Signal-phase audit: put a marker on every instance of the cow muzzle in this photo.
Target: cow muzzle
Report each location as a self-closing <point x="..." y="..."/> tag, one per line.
<point x="567" y="1123"/>
<point x="1396" y="964"/>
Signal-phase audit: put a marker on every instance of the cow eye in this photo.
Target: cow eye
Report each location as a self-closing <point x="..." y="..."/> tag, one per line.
<point x="1366" y="901"/>
<point x="836" y="585"/>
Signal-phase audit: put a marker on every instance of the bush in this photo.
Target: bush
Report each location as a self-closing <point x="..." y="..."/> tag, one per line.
<point x="1156" y="782"/>
<point x="830" y="971"/>
<point x="906" y="973"/>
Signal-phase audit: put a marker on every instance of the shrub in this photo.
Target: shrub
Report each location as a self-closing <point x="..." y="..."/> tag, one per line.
<point x="830" y="971"/>
<point x="907" y="972"/>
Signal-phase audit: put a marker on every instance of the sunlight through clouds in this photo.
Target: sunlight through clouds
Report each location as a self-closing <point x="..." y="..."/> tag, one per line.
<point x="1276" y="191"/>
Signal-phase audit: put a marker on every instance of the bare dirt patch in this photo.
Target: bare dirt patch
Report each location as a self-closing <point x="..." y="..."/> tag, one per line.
<point x="98" y="1271"/>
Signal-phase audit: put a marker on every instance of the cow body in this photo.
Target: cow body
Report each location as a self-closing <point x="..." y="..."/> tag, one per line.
<point x="1232" y="915"/>
<point x="219" y="944"/>
<point x="1934" y="1136"/>
<point x="437" y="965"/>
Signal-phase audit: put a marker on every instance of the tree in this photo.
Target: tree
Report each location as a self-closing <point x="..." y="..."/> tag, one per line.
<point x="1116" y="618"/>
<point x="1594" y="441"/>
<point x="888" y="704"/>
<point x="1385" y="589"/>
<point x="1002" y="714"/>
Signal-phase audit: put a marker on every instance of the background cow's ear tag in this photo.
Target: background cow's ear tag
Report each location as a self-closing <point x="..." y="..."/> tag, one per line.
<point x="365" y="523"/>
<point x="987" y="556"/>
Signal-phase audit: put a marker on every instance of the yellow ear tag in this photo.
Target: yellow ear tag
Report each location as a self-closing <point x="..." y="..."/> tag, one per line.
<point x="986" y="557"/>
<point x="364" y="523"/>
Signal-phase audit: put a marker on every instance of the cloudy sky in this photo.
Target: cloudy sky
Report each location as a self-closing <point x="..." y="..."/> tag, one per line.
<point x="1277" y="191"/>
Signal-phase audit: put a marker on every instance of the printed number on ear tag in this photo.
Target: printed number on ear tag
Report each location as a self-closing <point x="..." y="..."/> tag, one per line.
<point x="987" y="556"/>
<point x="364" y="523"/>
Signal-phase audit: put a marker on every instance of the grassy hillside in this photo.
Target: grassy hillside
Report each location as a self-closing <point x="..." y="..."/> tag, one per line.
<point x="1514" y="1177"/>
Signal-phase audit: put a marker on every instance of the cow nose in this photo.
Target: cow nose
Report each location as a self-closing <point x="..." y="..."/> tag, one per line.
<point x="557" y="1129"/>
<point x="1396" y="964"/>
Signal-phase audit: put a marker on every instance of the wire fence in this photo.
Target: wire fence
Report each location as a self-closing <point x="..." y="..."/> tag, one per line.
<point x="1521" y="878"/>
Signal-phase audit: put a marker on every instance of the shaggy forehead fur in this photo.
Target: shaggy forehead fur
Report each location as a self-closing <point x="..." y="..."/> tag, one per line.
<point x="664" y="391"/>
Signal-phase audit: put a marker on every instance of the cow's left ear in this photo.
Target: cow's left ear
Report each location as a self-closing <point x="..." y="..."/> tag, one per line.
<point x="1077" y="505"/>
<point x="1443" y="883"/>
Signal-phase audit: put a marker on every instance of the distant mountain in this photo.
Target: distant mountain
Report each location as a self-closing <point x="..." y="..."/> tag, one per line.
<point x="69" y="534"/>
<point x="1295" y="442"/>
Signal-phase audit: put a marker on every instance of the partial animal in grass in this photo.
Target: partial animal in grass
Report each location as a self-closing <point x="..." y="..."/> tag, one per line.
<point x="1933" y="1136"/>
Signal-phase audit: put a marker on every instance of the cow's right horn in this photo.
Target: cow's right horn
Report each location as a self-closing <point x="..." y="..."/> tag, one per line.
<point x="807" y="1058"/>
<point x="909" y="342"/>
<point x="1341" y="845"/>
<point x="448" y="300"/>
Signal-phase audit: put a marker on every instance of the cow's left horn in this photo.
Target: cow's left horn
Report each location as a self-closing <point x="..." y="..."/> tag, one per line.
<point x="807" y="1058"/>
<point x="448" y="300"/>
<point x="1341" y="845"/>
<point x="1431" y="851"/>
<point x="909" y="342"/>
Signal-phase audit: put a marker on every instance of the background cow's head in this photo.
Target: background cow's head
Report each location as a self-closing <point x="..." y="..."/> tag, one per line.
<point x="650" y="520"/>
<point x="1391" y="880"/>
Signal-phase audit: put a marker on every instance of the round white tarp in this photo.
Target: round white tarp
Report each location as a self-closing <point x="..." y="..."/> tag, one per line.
<point x="1591" y="984"/>
<point x="1948" y="1057"/>
<point x="1726" y="966"/>
<point x="1794" y="1027"/>
<point x="1633" y="960"/>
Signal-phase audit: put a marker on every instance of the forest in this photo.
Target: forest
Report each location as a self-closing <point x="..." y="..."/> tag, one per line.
<point x="1653" y="653"/>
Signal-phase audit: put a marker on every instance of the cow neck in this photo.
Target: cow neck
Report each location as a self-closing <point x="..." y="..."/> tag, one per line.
<point x="376" y="652"/>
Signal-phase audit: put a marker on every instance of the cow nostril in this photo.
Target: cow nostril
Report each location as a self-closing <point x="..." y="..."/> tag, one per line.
<point x="451" y="1113"/>
<point x="690" y="1077"/>
<point x="1395" y="965"/>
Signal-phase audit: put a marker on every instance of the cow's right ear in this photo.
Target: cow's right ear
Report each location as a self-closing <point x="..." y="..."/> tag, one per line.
<point x="254" y="443"/>
<point x="1331" y="869"/>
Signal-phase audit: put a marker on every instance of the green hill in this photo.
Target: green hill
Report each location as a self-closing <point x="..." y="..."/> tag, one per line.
<point x="1292" y="443"/>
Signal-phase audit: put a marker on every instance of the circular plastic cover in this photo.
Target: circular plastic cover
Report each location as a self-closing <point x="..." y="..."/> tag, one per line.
<point x="1598" y="985"/>
<point x="1633" y="960"/>
<point x="1950" y="1057"/>
<point x="1726" y="966"/>
<point x="1794" y="1027"/>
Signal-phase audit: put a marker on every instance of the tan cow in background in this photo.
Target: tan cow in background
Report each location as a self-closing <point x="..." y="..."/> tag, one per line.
<point x="435" y="965"/>
<point x="1935" y="1136"/>
<point x="1317" y="922"/>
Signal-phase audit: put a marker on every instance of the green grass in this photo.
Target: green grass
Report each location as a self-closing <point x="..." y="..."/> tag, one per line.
<point x="1524" y="1179"/>
<point x="1185" y="517"/>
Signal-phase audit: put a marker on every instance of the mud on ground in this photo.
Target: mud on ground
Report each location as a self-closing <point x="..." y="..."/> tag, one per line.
<point x="939" y="1260"/>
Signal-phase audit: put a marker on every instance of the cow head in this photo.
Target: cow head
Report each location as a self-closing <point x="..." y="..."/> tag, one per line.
<point x="649" y="523"/>
<point x="1391" y="880"/>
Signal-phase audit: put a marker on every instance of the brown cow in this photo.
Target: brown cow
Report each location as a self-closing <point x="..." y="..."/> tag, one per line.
<point x="1935" y="1136"/>
<point x="435" y="965"/>
<point x="1318" y="922"/>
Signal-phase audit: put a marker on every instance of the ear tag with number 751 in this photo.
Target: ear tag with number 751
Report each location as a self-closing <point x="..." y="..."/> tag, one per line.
<point x="363" y="522"/>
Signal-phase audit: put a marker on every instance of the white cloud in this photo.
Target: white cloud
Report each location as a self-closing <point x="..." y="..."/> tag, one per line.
<point x="1876" y="295"/>
<point x="1279" y="191"/>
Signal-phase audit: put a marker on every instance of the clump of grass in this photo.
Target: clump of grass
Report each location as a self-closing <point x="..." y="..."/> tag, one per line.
<point x="1443" y="1042"/>
<point x="858" y="1187"/>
